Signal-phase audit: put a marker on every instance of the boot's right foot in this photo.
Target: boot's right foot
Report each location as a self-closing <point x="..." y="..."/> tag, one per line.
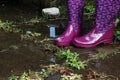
<point x="94" y="38"/>
<point x="67" y="36"/>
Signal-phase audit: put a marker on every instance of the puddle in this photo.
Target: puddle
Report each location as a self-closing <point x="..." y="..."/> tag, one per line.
<point x="18" y="56"/>
<point x="110" y="66"/>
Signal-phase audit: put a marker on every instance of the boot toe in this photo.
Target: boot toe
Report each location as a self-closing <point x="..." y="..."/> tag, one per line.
<point x="61" y="42"/>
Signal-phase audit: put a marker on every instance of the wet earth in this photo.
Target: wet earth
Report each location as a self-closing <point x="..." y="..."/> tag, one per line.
<point x="18" y="56"/>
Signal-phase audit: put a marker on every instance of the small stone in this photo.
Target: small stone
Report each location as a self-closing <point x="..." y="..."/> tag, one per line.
<point x="51" y="11"/>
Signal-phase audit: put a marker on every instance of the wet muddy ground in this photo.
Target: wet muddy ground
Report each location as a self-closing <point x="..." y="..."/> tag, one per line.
<point x="18" y="56"/>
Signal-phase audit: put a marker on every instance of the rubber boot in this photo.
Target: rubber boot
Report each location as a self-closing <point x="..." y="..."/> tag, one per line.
<point x="102" y="32"/>
<point x="73" y="29"/>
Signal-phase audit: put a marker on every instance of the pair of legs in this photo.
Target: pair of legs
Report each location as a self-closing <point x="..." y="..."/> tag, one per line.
<point x="102" y="32"/>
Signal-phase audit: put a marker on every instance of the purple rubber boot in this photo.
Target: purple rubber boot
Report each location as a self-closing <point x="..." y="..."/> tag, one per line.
<point x="106" y="13"/>
<point x="73" y="29"/>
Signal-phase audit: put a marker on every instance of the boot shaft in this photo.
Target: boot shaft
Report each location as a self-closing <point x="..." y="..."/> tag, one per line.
<point x="106" y="14"/>
<point x="75" y="11"/>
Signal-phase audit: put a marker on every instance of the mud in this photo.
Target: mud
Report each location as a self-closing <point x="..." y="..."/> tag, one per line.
<point x="18" y="56"/>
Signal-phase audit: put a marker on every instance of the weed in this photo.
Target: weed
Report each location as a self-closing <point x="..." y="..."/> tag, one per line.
<point x="34" y="34"/>
<point x="117" y="35"/>
<point x="34" y="20"/>
<point x="25" y="76"/>
<point x="44" y="73"/>
<point x="100" y="55"/>
<point x="8" y="23"/>
<point x="1" y="25"/>
<point x="72" y="59"/>
<point x="89" y="8"/>
<point x="30" y="35"/>
<point x="7" y="27"/>
<point x="31" y="75"/>
<point x="12" y="77"/>
<point x="72" y="76"/>
<point x="115" y="52"/>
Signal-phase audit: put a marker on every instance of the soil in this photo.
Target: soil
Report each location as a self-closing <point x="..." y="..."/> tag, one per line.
<point x="18" y="56"/>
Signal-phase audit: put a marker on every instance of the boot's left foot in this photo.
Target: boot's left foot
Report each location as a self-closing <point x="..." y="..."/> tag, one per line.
<point x="94" y="38"/>
<point x="67" y="36"/>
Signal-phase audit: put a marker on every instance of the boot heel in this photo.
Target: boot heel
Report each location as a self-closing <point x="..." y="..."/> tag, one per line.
<point x="108" y="41"/>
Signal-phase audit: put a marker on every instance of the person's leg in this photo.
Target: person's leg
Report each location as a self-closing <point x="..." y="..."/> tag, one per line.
<point x="106" y="13"/>
<point x="75" y="11"/>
